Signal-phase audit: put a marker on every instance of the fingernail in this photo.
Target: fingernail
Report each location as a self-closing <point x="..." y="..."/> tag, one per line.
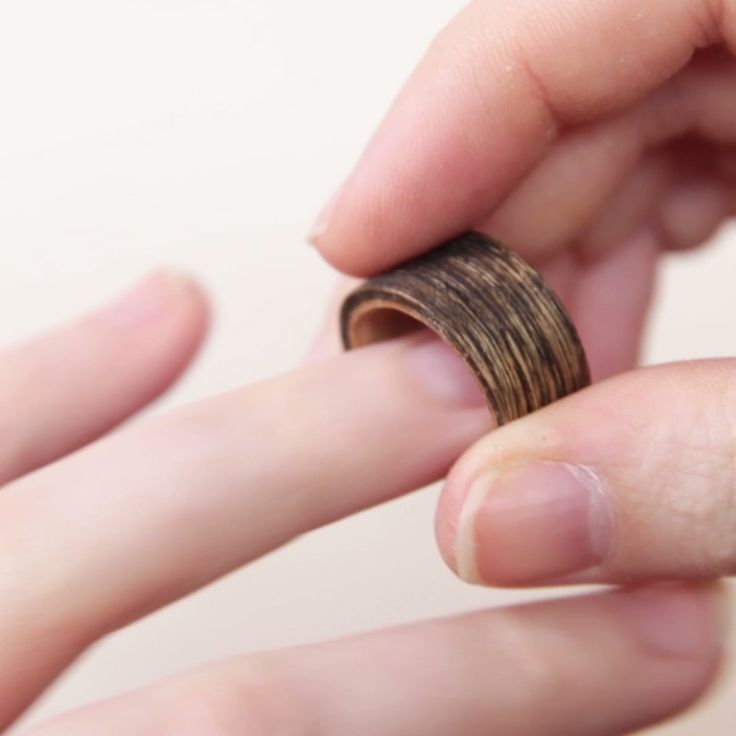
<point x="441" y="371"/>
<point x="322" y="223"/>
<point x="146" y="301"/>
<point x="532" y="522"/>
<point x="678" y="620"/>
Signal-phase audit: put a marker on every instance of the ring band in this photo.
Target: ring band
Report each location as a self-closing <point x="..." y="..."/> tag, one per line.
<point x="489" y="305"/>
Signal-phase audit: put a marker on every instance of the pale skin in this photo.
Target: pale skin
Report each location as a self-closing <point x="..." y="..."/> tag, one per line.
<point x="516" y="105"/>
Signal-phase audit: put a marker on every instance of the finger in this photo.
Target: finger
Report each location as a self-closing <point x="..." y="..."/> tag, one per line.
<point x="627" y="168"/>
<point x="632" y="479"/>
<point x="635" y="206"/>
<point x="591" y="291"/>
<point x="615" y="291"/>
<point x="154" y="512"/>
<point x="489" y="99"/>
<point x="595" y="666"/>
<point x="65" y="389"/>
<point x="693" y="210"/>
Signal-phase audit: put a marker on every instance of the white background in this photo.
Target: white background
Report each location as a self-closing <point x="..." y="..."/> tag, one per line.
<point x="205" y="134"/>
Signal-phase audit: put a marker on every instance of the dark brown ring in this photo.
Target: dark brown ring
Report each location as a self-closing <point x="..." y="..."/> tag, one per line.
<point x="491" y="307"/>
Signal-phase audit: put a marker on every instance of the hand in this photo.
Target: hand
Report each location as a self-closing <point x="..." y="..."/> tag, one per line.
<point x="93" y="539"/>
<point x="591" y="137"/>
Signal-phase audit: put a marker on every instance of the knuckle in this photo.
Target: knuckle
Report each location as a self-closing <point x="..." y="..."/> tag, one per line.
<point x="720" y="18"/>
<point x="543" y="670"/>
<point x="230" y="699"/>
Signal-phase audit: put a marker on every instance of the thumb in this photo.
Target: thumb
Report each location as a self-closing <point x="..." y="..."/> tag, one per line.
<point x="631" y="479"/>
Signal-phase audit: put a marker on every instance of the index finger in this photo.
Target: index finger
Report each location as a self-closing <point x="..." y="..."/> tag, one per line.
<point x="489" y="98"/>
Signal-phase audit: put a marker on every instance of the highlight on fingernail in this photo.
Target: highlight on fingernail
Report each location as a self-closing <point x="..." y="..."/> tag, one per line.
<point x="532" y="522"/>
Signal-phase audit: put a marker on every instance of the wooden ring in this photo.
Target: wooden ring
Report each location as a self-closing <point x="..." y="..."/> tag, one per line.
<point x="491" y="307"/>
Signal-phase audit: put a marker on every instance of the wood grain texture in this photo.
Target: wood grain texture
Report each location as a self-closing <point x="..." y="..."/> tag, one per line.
<point x="491" y="307"/>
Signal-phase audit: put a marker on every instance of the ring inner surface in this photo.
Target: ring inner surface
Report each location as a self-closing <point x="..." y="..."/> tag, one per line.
<point x="378" y="320"/>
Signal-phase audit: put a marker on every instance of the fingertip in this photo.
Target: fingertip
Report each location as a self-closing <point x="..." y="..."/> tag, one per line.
<point x="676" y="620"/>
<point x="405" y="195"/>
<point x="160" y="325"/>
<point x="88" y="376"/>
<point x="192" y="304"/>
<point x="197" y="307"/>
<point x="684" y="624"/>
<point x="189" y="321"/>
<point x="449" y="513"/>
<point x="160" y="295"/>
<point x="348" y="255"/>
<point x="184" y="324"/>
<point x="339" y="233"/>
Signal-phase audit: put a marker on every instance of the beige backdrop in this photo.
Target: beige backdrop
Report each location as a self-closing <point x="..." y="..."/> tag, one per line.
<point x="205" y="134"/>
